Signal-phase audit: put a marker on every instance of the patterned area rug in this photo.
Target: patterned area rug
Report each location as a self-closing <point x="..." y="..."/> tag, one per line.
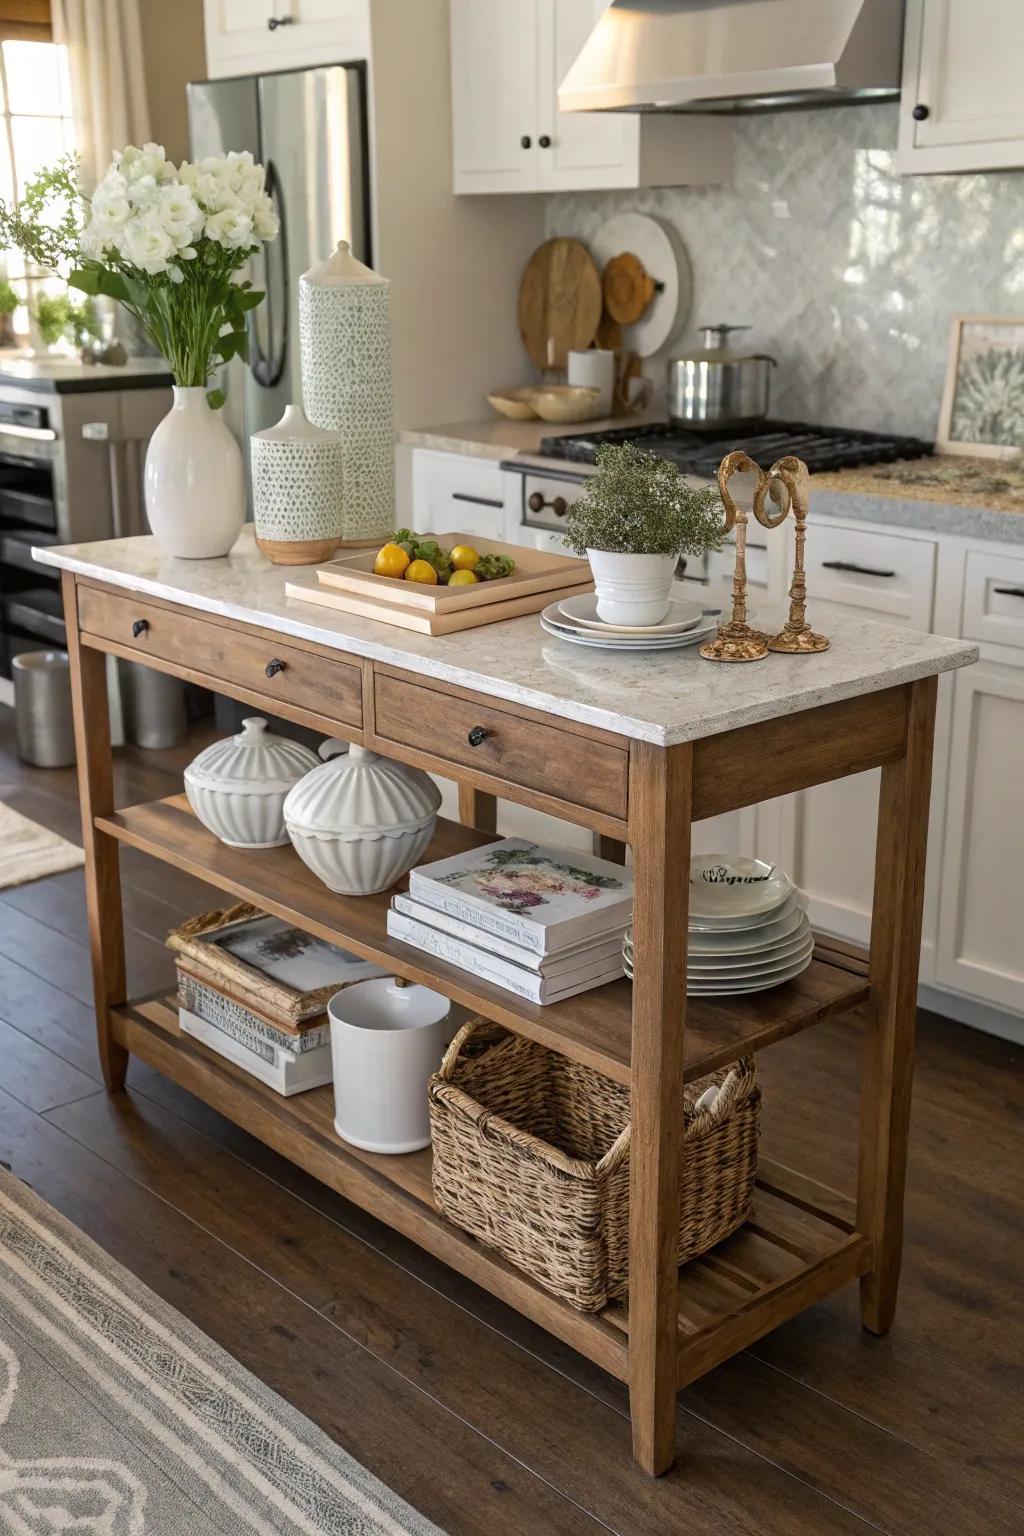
<point x="29" y="851"/>
<point x="119" y="1418"/>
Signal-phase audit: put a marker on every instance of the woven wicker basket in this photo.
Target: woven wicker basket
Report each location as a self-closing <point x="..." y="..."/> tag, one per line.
<point x="531" y="1155"/>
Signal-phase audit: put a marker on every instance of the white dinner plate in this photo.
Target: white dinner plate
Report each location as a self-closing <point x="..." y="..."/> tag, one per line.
<point x="731" y="961"/>
<point x="730" y="941"/>
<point x="726" y="886"/>
<point x="582" y="609"/>
<point x="734" y="988"/>
<point x="753" y="968"/>
<point x="590" y="638"/>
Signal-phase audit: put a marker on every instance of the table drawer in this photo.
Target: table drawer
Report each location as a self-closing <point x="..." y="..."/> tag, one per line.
<point x="994" y="598"/>
<point x="576" y="769"/>
<point x="226" y="656"/>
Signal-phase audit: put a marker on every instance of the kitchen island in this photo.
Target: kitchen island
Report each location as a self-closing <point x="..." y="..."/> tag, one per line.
<point x="635" y="748"/>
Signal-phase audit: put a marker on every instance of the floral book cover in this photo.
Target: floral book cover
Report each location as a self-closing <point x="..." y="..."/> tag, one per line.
<point x="542" y="898"/>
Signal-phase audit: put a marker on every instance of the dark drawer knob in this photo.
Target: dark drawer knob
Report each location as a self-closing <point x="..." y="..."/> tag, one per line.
<point x="477" y="736"/>
<point x="278" y="21"/>
<point x="558" y="504"/>
<point x="920" y="113"/>
<point x="525" y="141"/>
<point x="275" y="666"/>
<point x="139" y="628"/>
<point x="545" y="141"/>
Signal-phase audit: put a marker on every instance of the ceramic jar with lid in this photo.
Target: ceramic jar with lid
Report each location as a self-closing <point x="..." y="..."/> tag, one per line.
<point x="360" y="821"/>
<point x="237" y="787"/>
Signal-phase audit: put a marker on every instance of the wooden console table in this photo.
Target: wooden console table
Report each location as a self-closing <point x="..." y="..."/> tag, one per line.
<point x="634" y="748"/>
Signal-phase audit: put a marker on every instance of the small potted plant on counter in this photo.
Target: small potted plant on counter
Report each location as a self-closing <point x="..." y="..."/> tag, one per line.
<point x="636" y="517"/>
<point x="9" y="302"/>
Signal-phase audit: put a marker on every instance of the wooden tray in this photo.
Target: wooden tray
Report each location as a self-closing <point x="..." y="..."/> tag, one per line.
<point x="536" y="571"/>
<point x="423" y="622"/>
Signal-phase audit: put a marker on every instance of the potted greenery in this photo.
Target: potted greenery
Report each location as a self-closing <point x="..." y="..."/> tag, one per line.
<point x="636" y="517"/>
<point x="9" y="302"/>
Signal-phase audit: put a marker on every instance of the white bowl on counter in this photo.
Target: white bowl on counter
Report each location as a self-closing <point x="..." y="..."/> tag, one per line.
<point x="360" y="821"/>
<point x="238" y="787"/>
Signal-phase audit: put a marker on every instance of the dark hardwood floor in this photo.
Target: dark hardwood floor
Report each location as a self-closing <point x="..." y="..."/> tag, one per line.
<point x="479" y="1418"/>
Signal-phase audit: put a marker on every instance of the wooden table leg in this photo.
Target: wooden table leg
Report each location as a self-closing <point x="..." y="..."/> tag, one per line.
<point x="660" y="784"/>
<point x="892" y="973"/>
<point x="478" y="809"/>
<point x="102" y="867"/>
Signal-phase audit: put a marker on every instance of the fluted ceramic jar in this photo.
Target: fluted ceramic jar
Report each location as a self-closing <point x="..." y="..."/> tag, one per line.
<point x="360" y="821"/>
<point x="345" y="339"/>
<point x="238" y="787"/>
<point x="298" y="490"/>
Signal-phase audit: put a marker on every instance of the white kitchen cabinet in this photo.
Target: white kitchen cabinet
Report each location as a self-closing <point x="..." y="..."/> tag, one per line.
<point x="248" y="36"/>
<point x="961" y="107"/>
<point x="456" y="493"/>
<point x="507" y="60"/>
<point x="981" y="913"/>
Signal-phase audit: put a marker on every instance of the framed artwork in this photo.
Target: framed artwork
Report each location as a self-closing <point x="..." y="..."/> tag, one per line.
<point x="983" y="402"/>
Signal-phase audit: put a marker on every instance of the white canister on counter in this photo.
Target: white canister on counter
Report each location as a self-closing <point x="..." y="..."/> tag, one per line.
<point x="386" y="1042"/>
<point x="594" y="369"/>
<point x="298" y="490"/>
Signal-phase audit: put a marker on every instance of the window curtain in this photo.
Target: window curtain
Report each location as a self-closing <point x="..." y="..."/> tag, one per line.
<point x="108" y="81"/>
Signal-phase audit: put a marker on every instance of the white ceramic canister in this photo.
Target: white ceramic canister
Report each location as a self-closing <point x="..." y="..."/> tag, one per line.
<point x="298" y="490"/>
<point x="386" y="1042"/>
<point x="345" y="338"/>
<point x="594" y="369"/>
<point x="632" y="589"/>
<point x="360" y="821"/>
<point x="194" y="480"/>
<point x="238" y="787"/>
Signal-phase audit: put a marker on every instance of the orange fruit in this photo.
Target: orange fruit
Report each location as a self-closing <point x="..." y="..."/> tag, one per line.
<point x="391" y="561"/>
<point x="461" y="577"/>
<point x="422" y="571"/>
<point x="463" y="558"/>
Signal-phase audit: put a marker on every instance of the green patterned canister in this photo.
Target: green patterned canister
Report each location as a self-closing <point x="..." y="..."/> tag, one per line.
<point x="345" y="335"/>
<point x="298" y="490"/>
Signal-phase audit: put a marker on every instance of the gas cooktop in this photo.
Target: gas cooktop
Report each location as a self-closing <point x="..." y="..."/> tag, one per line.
<point x="700" y="453"/>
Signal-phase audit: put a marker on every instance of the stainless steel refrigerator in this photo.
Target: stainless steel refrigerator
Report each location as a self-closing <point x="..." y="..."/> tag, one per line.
<point x="308" y="128"/>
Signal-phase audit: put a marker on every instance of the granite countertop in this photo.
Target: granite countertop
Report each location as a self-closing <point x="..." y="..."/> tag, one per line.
<point x="499" y="438"/>
<point x="67" y="376"/>
<point x="663" y="697"/>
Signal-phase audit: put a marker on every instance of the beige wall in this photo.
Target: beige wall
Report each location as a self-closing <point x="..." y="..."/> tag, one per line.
<point x="172" y="41"/>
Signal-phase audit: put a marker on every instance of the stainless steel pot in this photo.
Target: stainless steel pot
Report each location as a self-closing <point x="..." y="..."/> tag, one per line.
<point x="717" y="387"/>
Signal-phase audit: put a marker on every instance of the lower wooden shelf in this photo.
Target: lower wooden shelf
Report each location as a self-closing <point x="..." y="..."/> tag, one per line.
<point x="798" y="1245"/>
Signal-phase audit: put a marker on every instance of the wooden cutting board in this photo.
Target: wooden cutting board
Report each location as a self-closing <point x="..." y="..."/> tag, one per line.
<point x="559" y="299"/>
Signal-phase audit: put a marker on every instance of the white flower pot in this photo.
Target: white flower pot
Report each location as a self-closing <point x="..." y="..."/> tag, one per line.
<point x="632" y="589"/>
<point x="237" y="787"/>
<point x="386" y="1042"/>
<point x="195" y="480"/>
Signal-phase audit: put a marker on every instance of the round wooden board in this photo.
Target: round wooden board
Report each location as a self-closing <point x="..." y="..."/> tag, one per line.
<point x="661" y="252"/>
<point x="559" y="298"/>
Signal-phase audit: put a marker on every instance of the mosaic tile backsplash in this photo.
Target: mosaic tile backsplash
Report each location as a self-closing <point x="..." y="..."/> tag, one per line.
<point x="847" y="272"/>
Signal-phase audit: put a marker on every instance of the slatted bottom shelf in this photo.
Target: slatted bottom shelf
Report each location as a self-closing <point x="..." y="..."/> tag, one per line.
<point x="798" y="1245"/>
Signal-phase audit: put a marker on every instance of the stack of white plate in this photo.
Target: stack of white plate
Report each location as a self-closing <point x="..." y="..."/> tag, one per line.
<point x="748" y="930"/>
<point x="575" y="619"/>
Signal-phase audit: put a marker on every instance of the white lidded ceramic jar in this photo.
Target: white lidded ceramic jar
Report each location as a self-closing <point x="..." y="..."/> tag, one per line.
<point x="195" y="480"/>
<point x="298" y="490"/>
<point x="237" y="787"/>
<point x="632" y="589"/>
<point x="360" y="821"/>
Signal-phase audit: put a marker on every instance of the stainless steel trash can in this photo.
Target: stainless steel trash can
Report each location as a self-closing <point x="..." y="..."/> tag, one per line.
<point x="154" y="706"/>
<point x="42" y="708"/>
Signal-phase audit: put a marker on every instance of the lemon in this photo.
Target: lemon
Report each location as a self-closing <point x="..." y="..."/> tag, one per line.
<point x="462" y="578"/>
<point x="422" y="571"/>
<point x="391" y="561"/>
<point x="463" y="557"/>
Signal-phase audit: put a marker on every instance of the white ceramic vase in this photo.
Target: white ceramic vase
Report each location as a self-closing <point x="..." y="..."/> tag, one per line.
<point x="360" y="821"/>
<point x="386" y="1042"/>
<point x="237" y="787"/>
<point x="632" y="589"/>
<point x="298" y="490"/>
<point x="195" y="480"/>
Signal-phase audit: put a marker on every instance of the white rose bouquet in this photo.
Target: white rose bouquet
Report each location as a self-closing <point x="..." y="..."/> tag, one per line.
<point x="168" y="242"/>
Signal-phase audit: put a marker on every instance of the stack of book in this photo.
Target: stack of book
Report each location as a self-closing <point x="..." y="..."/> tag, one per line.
<point x="255" y="990"/>
<point x="545" y="923"/>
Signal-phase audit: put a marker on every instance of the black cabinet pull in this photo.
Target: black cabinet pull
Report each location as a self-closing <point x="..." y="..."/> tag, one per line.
<point x="545" y="141"/>
<point x="1009" y="591"/>
<point x="275" y="666"/>
<point x="478" y="501"/>
<point x="139" y="628"/>
<point x="274" y="22"/>
<point x="525" y="141"/>
<point x="477" y="736"/>
<point x="920" y="113"/>
<point x="858" y="570"/>
<point x="558" y="504"/>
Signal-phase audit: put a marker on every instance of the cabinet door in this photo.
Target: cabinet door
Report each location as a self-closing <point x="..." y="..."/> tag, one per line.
<point x="981" y="913"/>
<point x="246" y="36"/>
<point x="962" y="76"/>
<point x="494" y="95"/>
<point x="582" y="149"/>
<point x="453" y="493"/>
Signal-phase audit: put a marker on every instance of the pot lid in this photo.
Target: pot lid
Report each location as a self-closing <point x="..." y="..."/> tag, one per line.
<point x="295" y="425"/>
<point x="716" y="347"/>
<point x="360" y="791"/>
<point x="255" y="761"/>
<point x="341" y="267"/>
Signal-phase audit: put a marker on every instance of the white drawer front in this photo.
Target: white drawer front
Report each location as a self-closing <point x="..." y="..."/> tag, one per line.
<point x="994" y="598"/>
<point x="889" y="577"/>
<point x="456" y="494"/>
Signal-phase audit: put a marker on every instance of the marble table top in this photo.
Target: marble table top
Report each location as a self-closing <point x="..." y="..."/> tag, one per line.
<point x="659" y="696"/>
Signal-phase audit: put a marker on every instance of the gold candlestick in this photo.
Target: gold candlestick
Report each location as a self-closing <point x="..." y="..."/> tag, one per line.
<point x="736" y="641"/>
<point x="797" y="638"/>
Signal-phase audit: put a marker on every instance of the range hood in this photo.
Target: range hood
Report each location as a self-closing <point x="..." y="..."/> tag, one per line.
<point x="736" y="55"/>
